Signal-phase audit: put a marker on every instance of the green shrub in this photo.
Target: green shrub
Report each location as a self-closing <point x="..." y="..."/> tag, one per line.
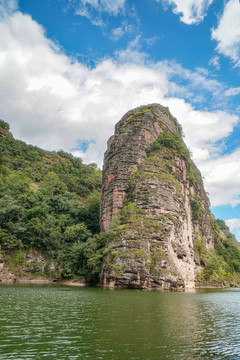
<point x="174" y="142"/>
<point x="196" y="208"/>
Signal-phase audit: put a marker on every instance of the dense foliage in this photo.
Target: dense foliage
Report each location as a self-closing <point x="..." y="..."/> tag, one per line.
<point x="196" y="208"/>
<point x="221" y="265"/>
<point x="171" y="141"/>
<point x="50" y="202"/>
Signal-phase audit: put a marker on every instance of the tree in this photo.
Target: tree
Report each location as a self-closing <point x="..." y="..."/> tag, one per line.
<point x="92" y="205"/>
<point x="52" y="185"/>
<point x="4" y="125"/>
<point x="76" y="233"/>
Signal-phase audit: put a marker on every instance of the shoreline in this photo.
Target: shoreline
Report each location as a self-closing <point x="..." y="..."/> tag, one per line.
<point x="83" y="283"/>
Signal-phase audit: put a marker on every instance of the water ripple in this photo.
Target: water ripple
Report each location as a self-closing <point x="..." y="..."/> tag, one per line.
<point x="51" y="322"/>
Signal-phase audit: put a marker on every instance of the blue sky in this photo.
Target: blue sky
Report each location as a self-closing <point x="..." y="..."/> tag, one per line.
<point x="70" y="69"/>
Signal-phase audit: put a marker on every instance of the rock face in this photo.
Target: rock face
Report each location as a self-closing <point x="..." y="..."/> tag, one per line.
<point x="153" y="202"/>
<point x="25" y="271"/>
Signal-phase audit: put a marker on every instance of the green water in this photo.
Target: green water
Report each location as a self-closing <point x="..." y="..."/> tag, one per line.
<point x="53" y="322"/>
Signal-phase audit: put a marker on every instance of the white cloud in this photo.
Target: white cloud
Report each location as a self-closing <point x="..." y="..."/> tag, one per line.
<point x="53" y="101"/>
<point x="214" y="61"/>
<point x="117" y="33"/>
<point x="202" y="128"/>
<point x="198" y="81"/>
<point x="111" y="7"/>
<point x="192" y="11"/>
<point x="233" y="224"/>
<point x="95" y="9"/>
<point x="151" y="41"/>
<point x="232" y="91"/>
<point x="227" y="33"/>
<point x="7" y="7"/>
<point x="122" y="30"/>
<point x="222" y="179"/>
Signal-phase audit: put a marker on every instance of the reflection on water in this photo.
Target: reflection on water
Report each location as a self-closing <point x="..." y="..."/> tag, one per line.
<point x="52" y="322"/>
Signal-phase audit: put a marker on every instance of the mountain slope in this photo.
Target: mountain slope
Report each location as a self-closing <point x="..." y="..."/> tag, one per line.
<point x="49" y="211"/>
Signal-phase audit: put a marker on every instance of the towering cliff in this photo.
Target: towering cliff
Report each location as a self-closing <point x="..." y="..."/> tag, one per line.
<point x="153" y="201"/>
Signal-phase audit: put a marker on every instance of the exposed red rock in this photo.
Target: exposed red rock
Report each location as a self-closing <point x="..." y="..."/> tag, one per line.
<point x="146" y="199"/>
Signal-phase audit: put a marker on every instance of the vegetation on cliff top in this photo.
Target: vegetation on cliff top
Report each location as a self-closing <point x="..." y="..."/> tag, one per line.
<point x="175" y="143"/>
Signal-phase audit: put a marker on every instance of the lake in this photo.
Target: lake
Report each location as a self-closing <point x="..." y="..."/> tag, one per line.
<point x="65" y="323"/>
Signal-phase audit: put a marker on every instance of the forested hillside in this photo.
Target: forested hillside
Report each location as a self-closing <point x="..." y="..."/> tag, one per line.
<point x="49" y="203"/>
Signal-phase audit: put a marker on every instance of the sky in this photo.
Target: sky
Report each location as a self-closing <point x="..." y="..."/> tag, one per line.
<point x="70" y="69"/>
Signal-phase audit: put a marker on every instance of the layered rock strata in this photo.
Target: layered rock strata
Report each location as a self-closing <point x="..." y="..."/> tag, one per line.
<point x="153" y="202"/>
